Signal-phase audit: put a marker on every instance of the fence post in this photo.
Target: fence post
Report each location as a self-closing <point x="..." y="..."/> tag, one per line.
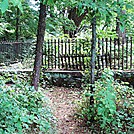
<point x="118" y="53"/>
<point x="48" y="53"/>
<point x="51" y="54"/>
<point x="102" y="60"/>
<point x="115" y="40"/>
<point x="131" y="52"/>
<point x="55" y="52"/>
<point x="106" y="55"/>
<point x="45" y="52"/>
<point x="126" y="52"/>
<point x="58" y="53"/>
<point x="122" y="53"/>
<point x="110" y="57"/>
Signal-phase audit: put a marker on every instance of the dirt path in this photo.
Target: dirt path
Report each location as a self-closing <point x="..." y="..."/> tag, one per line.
<point x="64" y="103"/>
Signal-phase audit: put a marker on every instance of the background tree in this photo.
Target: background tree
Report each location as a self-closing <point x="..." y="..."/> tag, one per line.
<point x="19" y="25"/>
<point x="39" y="45"/>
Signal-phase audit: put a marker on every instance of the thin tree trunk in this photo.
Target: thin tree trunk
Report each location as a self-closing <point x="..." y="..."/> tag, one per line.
<point x="77" y="19"/>
<point x="17" y="24"/>
<point x="93" y="56"/>
<point x="39" y="46"/>
<point x="121" y="34"/>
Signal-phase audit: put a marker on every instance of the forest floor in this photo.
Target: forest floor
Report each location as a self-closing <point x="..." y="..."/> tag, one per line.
<point x="64" y="102"/>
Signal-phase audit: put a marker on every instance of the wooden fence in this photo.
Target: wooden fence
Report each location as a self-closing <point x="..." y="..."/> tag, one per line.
<point x="68" y="54"/>
<point x="115" y="53"/>
<point x="74" y="54"/>
<point x="13" y="51"/>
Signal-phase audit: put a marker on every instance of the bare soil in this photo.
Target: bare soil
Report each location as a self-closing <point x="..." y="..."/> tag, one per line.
<point x="64" y="104"/>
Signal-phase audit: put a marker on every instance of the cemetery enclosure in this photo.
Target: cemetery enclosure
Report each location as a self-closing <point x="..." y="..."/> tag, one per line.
<point x="74" y="54"/>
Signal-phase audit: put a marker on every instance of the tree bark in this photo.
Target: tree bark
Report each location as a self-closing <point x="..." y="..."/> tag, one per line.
<point x="118" y="30"/>
<point x="73" y="15"/>
<point x="93" y="56"/>
<point x="39" y="46"/>
<point x="17" y="23"/>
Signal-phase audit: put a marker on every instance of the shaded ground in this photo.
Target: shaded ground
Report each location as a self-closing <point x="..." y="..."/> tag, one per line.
<point x="64" y="103"/>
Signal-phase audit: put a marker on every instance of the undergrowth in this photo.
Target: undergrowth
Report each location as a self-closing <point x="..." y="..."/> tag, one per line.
<point x="22" y="109"/>
<point x="112" y="112"/>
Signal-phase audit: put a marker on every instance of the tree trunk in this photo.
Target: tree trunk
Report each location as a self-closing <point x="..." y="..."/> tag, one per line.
<point x="93" y="56"/>
<point x="39" y="46"/>
<point x="17" y="24"/>
<point x="121" y="34"/>
<point x="77" y="19"/>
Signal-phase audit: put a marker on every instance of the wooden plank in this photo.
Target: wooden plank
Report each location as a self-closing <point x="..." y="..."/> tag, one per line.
<point x="131" y="52"/>
<point x="106" y="55"/>
<point x="110" y="56"/>
<point x="122" y="54"/>
<point x="118" y="53"/>
<point x="55" y="71"/>
<point x="62" y="61"/>
<point x="115" y="53"/>
<point x="69" y="54"/>
<point x="76" y="53"/>
<point x="63" y="71"/>
<point x="98" y="54"/>
<point x="83" y="56"/>
<point x="51" y="53"/>
<point x="16" y="70"/>
<point x="55" y="59"/>
<point x="58" y="53"/>
<point x="102" y="56"/>
<point x="126" y="52"/>
<point x="66" y="54"/>
<point x="48" y="54"/>
<point x="73" y="62"/>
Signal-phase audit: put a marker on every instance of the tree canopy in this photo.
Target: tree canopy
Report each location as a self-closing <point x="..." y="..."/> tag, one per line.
<point x="71" y="17"/>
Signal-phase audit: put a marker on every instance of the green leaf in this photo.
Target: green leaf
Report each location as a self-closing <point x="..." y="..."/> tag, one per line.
<point x="18" y="4"/>
<point x="4" y="6"/>
<point x="24" y="119"/>
<point x="87" y="94"/>
<point x="20" y="7"/>
<point x="49" y="2"/>
<point x="122" y="28"/>
<point x="15" y="2"/>
<point x="19" y="126"/>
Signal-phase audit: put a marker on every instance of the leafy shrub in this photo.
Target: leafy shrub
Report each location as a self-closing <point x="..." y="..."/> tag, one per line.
<point x="112" y="111"/>
<point x="24" y="110"/>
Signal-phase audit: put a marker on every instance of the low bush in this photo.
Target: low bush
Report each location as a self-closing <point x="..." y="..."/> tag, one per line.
<point x="24" y="110"/>
<point x="112" y="111"/>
